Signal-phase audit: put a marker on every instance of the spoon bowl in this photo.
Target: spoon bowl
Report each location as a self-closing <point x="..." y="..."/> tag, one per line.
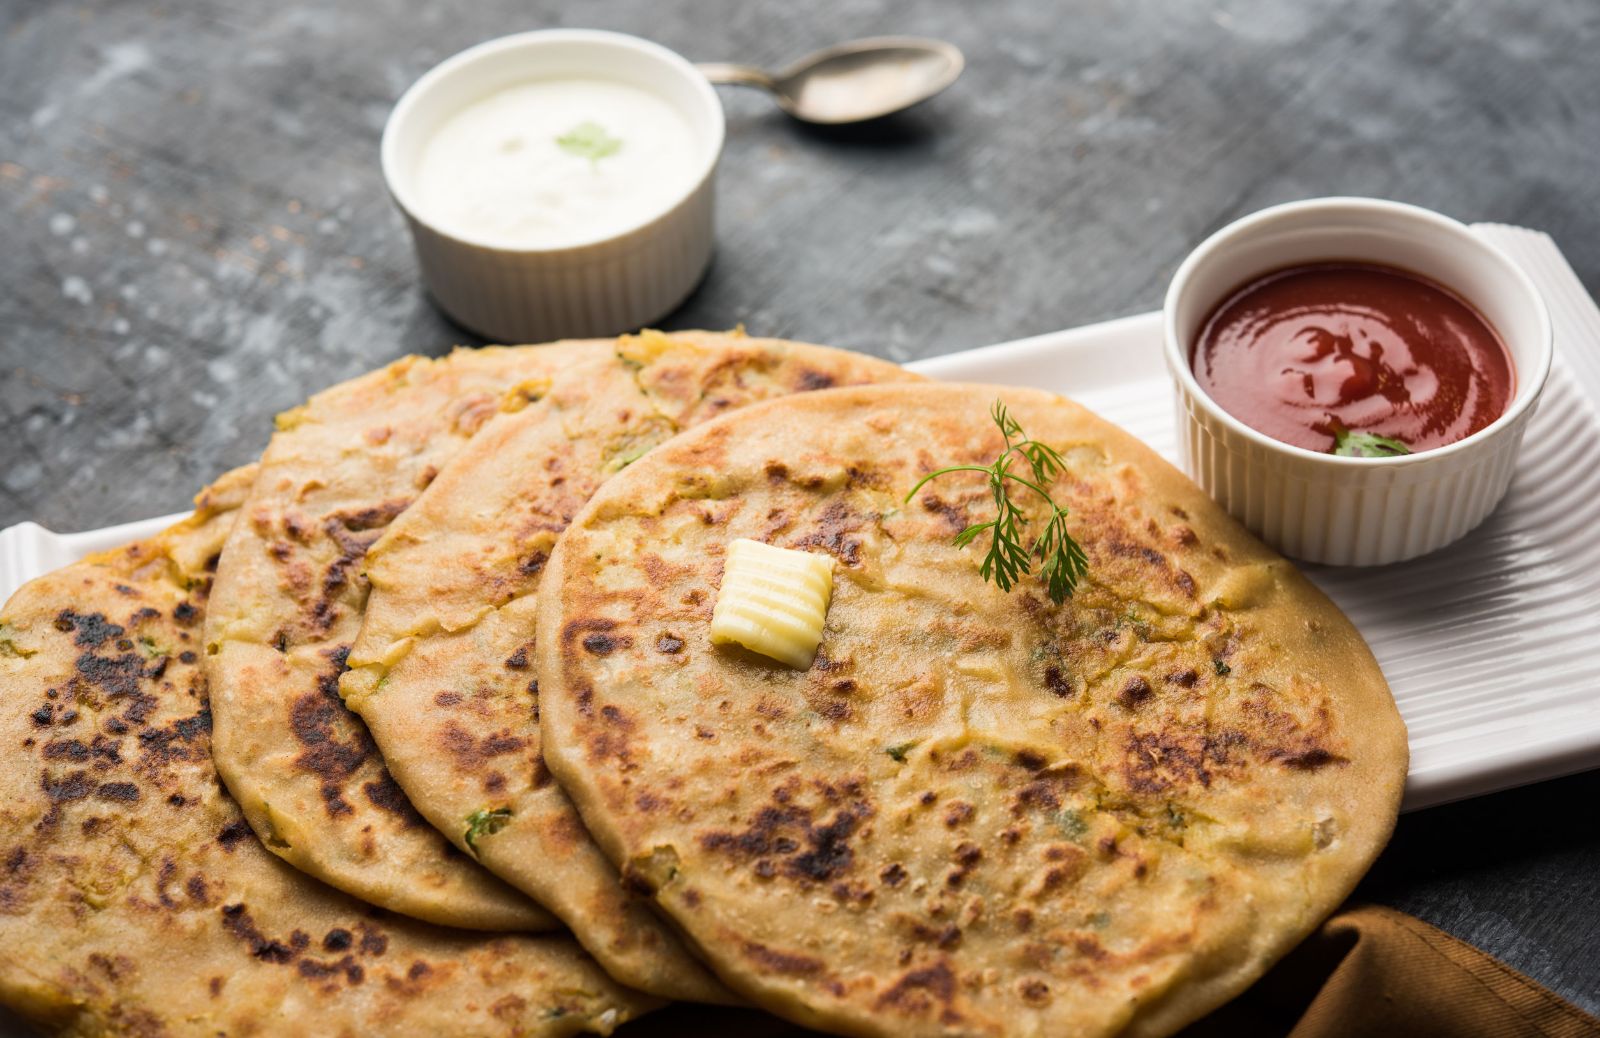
<point x="854" y="81"/>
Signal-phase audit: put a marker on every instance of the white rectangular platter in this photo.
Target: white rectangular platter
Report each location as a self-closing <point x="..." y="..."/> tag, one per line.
<point x="1492" y="647"/>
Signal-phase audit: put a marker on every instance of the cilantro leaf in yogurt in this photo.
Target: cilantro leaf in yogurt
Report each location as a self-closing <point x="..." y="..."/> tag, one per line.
<point x="589" y="140"/>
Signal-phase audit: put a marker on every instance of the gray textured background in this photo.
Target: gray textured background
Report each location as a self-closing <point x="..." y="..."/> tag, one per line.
<point x="194" y="235"/>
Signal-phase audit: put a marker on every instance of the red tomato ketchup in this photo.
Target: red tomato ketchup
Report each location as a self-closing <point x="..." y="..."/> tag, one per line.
<point x="1304" y="352"/>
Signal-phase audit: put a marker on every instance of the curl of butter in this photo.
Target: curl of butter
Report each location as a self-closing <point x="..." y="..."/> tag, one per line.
<point x="773" y="601"/>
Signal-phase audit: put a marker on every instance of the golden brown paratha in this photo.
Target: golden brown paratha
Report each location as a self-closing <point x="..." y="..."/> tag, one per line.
<point x="977" y="812"/>
<point x="135" y="900"/>
<point x="442" y="669"/>
<point x="287" y="604"/>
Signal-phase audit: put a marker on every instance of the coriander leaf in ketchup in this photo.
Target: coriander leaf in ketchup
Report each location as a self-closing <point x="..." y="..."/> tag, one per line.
<point x="1305" y="352"/>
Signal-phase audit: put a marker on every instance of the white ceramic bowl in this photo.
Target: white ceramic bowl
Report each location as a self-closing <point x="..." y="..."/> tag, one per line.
<point x="600" y="287"/>
<point x="1339" y="510"/>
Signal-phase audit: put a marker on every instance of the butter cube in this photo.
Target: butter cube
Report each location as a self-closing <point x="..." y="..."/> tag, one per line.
<point x="773" y="601"/>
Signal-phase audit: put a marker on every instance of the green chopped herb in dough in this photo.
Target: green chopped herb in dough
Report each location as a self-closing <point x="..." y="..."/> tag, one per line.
<point x="899" y="752"/>
<point x="629" y="457"/>
<point x="1072" y="824"/>
<point x="485" y="823"/>
<point x="9" y="647"/>
<point x="629" y="449"/>
<point x="1223" y="670"/>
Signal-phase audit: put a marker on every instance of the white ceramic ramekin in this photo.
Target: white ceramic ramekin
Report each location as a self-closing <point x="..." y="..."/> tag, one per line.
<point x="1354" y="511"/>
<point x="600" y="287"/>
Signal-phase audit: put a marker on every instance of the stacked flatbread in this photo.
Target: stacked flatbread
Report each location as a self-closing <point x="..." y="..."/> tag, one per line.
<point x="134" y="898"/>
<point x="166" y="675"/>
<point x="443" y="668"/>
<point x="447" y="649"/>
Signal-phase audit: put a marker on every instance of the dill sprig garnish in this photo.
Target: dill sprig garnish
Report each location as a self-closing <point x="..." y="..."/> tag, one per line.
<point x="1062" y="561"/>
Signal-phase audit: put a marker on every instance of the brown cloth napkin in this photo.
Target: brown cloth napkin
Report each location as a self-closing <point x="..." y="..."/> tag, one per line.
<point x="1375" y="971"/>
<point x="1366" y="971"/>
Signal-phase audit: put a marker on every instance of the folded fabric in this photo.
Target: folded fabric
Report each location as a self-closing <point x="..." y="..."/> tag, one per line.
<point x="1366" y="971"/>
<point x="1375" y="971"/>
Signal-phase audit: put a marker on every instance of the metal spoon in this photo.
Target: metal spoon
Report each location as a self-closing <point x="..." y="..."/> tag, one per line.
<point x="855" y="81"/>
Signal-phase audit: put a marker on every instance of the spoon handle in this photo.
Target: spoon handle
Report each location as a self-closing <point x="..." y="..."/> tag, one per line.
<point x="738" y="75"/>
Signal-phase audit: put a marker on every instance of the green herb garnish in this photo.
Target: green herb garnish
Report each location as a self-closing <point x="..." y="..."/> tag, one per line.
<point x="1141" y="626"/>
<point x="485" y="823"/>
<point x="1350" y="444"/>
<point x="899" y="752"/>
<point x="1008" y="559"/>
<point x="620" y="454"/>
<point x="1222" y="669"/>
<point x="1072" y="824"/>
<point x="589" y="140"/>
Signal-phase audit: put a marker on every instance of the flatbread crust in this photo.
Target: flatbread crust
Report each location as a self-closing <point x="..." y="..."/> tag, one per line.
<point x="135" y="900"/>
<point x="287" y="604"/>
<point x="977" y="812"/>
<point x="442" y="670"/>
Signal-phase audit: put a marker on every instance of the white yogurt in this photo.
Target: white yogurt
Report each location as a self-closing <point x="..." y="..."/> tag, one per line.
<point x="556" y="162"/>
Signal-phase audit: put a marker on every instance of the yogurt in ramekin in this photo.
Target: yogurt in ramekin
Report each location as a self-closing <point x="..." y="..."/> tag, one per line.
<point x="557" y="183"/>
<point x="555" y="162"/>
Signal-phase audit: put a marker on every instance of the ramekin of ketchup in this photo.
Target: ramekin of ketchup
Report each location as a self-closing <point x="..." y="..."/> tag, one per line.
<point x="1354" y="376"/>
